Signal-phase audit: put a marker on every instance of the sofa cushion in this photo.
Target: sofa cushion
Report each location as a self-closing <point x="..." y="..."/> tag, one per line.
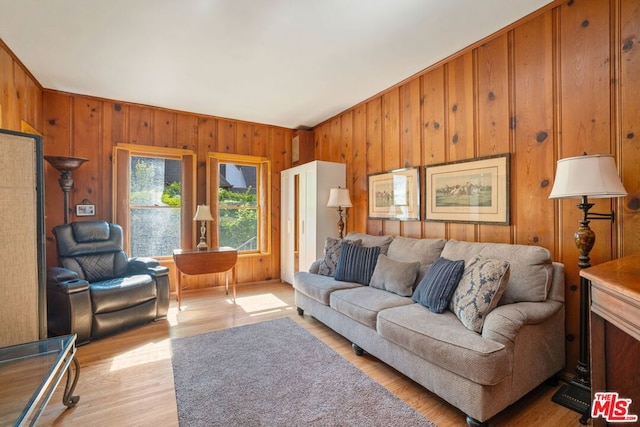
<point x="327" y="266"/>
<point x="319" y="287"/>
<point x="531" y="267"/>
<point x="356" y="264"/>
<point x="436" y="288"/>
<point x="425" y="251"/>
<point x="364" y="303"/>
<point x="394" y="276"/>
<point x="442" y="340"/>
<point x="479" y="291"/>
<point x="369" y="240"/>
<point x="117" y="294"/>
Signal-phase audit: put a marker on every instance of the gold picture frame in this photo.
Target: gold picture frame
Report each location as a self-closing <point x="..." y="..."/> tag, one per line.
<point x="395" y="195"/>
<point x="472" y="191"/>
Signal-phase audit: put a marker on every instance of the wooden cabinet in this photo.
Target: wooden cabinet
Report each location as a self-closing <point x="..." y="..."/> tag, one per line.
<point x="23" y="304"/>
<point x="306" y="221"/>
<point x="615" y="330"/>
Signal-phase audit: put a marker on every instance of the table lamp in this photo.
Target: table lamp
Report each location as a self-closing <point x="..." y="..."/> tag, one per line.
<point x="339" y="198"/>
<point x="203" y="214"/>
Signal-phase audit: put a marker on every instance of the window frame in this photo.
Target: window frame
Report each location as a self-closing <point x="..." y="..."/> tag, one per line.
<point x="122" y="154"/>
<point x="263" y="192"/>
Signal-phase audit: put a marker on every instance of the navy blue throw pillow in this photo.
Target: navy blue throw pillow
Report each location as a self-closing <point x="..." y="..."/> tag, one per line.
<point x="356" y="263"/>
<point x="436" y="288"/>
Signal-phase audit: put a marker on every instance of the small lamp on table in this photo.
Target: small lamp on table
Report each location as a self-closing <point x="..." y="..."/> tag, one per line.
<point x="339" y="198"/>
<point x="203" y="214"/>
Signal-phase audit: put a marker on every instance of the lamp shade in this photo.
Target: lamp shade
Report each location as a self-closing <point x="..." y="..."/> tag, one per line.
<point x="595" y="176"/>
<point x="203" y="213"/>
<point x="339" y="197"/>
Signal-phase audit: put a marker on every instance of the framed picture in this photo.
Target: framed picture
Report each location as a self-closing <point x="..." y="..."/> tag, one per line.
<point x="475" y="191"/>
<point x="395" y="195"/>
<point x="85" y="210"/>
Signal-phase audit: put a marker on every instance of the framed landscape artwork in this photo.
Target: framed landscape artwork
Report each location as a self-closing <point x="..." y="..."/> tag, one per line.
<point x="472" y="191"/>
<point x="395" y="195"/>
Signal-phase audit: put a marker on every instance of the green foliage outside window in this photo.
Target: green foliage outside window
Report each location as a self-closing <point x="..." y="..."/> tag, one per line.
<point x="171" y="194"/>
<point x="238" y="225"/>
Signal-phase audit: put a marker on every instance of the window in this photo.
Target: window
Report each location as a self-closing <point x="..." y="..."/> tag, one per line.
<point x="154" y="196"/>
<point x="240" y="200"/>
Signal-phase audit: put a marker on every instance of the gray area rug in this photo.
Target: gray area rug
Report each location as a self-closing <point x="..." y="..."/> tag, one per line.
<point x="276" y="373"/>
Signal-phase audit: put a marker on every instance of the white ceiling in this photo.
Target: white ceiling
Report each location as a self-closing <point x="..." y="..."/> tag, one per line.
<point x="283" y="62"/>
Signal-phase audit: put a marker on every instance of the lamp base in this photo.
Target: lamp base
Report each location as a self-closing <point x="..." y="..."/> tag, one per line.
<point x="576" y="397"/>
<point x="202" y="246"/>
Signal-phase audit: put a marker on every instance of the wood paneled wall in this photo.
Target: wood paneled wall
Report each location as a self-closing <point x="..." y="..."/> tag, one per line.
<point x="82" y="126"/>
<point x="559" y="84"/>
<point x="20" y="93"/>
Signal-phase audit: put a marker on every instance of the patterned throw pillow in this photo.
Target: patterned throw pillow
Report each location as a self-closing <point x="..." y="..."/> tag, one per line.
<point x="394" y="276"/>
<point x="479" y="291"/>
<point x="356" y="263"/>
<point x="332" y="249"/>
<point x="437" y="286"/>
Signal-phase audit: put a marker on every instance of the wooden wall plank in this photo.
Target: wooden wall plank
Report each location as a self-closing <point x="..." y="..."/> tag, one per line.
<point x="345" y="155"/>
<point x="391" y="145"/>
<point x="358" y="184"/>
<point x="114" y="131"/>
<point x="140" y="125"/>
<point x="244" y="139"/>
<point x="461" y="119"/>
<point x="628" y="53"/>
<point x="86" y="143"/>
<point x="533" y="162"/>
<point x="335" y="138"/>
<point x="374" y="153"/>
<point x="410" y="143"/>
<point x="493" y="99"/>
<point x="323" y="142"/>
<point x="433" y="135"/>
<point x="226" y="136"/>
<point x="164" y="128"/>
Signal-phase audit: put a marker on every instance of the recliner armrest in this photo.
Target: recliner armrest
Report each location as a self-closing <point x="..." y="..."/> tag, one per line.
<point x="143" y="265"/>
<point x="59" y="274"/>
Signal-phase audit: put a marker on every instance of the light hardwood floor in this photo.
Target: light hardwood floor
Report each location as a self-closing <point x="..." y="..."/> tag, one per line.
<point x="127" y="379"/>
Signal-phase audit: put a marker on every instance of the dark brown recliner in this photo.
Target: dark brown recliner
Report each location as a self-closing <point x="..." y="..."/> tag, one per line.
<point x="99" y="290"/>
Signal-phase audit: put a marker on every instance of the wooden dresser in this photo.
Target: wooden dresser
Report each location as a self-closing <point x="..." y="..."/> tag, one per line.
<point x="615" y="329"/>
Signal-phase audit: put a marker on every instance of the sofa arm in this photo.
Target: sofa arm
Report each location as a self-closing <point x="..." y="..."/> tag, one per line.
<point x="315" y="266"/>
<point x="503" y="323"/>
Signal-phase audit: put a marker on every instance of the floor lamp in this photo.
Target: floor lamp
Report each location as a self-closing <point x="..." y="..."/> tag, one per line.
<point x="581" y="177"/>
<point x="65" y="165"/>
<point x="339" y="198"/>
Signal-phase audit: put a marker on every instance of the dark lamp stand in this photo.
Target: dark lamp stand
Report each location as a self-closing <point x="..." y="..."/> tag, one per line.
<point x="576" y="395"/>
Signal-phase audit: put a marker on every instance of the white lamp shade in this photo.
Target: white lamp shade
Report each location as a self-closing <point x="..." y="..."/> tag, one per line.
<point x="203" y="213"/>
<point x="339" y="197"/>
<point x="595" y="176"/>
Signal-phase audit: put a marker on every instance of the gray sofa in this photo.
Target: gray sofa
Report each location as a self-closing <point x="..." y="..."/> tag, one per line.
<point x="521" y="343"/>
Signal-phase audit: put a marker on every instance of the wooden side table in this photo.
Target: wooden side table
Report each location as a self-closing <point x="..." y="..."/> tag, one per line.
<point x="615" y="329"/>
<point x="211" y="260"/>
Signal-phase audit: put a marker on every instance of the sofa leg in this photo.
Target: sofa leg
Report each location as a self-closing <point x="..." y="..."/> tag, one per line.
<point x="300" y="311"/>
<point x="472" y="422"/>
<point x="359" y="351"/>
